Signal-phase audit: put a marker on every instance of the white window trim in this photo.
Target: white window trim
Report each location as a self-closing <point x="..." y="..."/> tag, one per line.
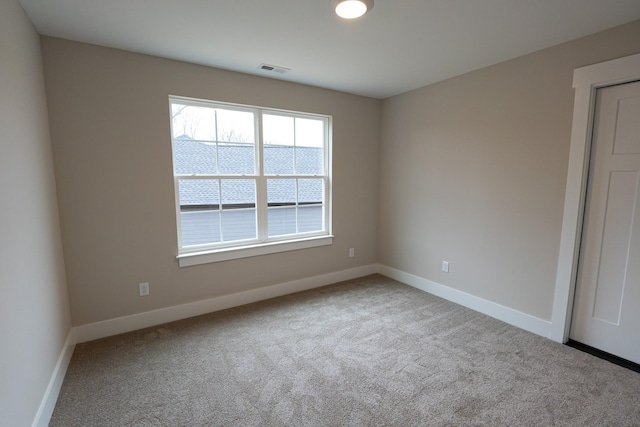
<point x="236" y="252"/>
<point x="244" y="249"/>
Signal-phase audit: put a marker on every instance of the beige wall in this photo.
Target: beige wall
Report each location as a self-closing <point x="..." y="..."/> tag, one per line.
<point x="473" y="171"/>
<point x="112" y="151"/>
<point x="34" y="309"/>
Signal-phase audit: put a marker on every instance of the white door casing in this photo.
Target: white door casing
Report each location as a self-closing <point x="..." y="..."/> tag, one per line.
<point x="608" y="280"/>
<point x="586" y="81"/>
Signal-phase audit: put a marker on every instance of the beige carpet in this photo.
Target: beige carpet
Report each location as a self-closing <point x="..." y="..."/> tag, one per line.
<point x="368" y="352"/>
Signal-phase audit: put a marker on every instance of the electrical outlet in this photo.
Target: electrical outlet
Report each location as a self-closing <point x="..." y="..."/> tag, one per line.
<point x="352" y="252"/>
<point x="445" y="266"/>
<point x="144" y="289"/>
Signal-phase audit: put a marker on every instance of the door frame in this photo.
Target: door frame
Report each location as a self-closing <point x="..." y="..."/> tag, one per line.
<point x="586" y="80"/>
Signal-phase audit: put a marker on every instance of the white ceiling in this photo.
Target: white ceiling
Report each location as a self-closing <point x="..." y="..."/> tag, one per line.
<point x="398" y="46"/>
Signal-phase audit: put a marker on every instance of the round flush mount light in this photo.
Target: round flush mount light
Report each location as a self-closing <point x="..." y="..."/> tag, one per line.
<point x="351" y="9"/>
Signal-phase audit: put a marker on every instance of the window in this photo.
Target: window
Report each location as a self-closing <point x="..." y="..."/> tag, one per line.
<point x="248" y="180"/>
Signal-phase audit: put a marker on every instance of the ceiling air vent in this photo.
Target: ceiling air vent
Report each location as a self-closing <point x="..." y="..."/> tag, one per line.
<point x="274" y="68"/>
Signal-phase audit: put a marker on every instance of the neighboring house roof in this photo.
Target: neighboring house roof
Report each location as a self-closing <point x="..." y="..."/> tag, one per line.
<point x="195" y="157"/>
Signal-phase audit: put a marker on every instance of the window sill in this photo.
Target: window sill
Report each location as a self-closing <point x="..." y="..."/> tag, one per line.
<point x="226" y="254"/>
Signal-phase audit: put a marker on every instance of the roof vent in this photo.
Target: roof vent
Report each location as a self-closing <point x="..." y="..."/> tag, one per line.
<point x="274" y="68"/>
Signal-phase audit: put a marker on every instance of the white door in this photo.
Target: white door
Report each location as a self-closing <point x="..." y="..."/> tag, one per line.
<point x="606" y="313"/>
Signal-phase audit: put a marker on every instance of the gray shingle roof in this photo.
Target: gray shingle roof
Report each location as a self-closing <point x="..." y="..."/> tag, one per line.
<point x="194" y="157"/>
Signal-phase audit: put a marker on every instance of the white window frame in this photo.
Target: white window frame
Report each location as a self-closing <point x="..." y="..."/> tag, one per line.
<point x="262" y="245"/>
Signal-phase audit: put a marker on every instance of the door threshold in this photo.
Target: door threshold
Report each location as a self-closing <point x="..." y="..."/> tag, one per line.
<point x="604" y="355"/>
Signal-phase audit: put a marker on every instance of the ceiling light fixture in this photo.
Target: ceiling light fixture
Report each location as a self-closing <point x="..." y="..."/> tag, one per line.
<point x="351" y="9"/>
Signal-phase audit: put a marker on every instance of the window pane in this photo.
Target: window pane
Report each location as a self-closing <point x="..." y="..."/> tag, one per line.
<point x="281" y="192"/>
<point x="278" y="160"/>
<point x="309" y="146"/>
<point x="199" y="227"/>
<point x="309" y="133"/>
<point x="238" y="216"/>
<point x="238" y="193"/>
<point x="281" y="197"/>
<point x="199" y="211"/>
<point x="310" y="212"/>
<point x="238" y="224"/>
<point x="194" y="193"/>
<point x="236" y="150"/>
<point x="282" y="220"/>
<point x="189" y="122"/>
<point x="309" y="161"/>
<point x="278" y="135"/>
<point x="310" y="218"/>
<point x="194" y="158"/>
<point x="310" y="191"/>
<point x="277" y="130"/>
<point x="235" y="126"/>
<point x="236" y="159"/>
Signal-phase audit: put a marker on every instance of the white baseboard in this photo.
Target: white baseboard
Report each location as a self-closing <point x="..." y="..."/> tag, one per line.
<point x="134" y="322"/>
<point x="43" y="416"/>
<point x="513" y="317"/>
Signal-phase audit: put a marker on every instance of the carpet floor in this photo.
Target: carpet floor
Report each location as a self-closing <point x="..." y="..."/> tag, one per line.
<point x="367" y="352"/>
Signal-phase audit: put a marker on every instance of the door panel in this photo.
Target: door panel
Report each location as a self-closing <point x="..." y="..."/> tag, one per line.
<point x="606" y="311"/>
<point x="614" y="257"/>
<point x="627" y="139"/>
